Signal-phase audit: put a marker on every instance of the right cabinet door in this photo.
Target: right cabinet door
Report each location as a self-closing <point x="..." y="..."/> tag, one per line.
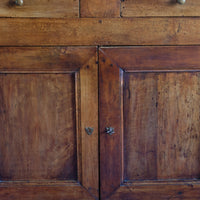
<point x="150" y="122"/>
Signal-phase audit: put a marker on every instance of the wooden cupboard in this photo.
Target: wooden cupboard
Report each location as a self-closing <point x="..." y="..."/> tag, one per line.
<point x="99" y="99"/>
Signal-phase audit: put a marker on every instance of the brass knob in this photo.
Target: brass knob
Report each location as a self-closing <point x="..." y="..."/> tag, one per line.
<point x="181" y="1"/>
<point x="19" y="2"/>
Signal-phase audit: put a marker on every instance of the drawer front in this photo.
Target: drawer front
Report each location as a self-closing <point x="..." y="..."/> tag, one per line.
<point x="139" y="8"/>
<point x="39" y="8"/>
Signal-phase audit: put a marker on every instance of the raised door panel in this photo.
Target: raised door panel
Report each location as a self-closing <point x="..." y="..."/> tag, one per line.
<point x="45" y="151"/>
<point x="150" y="96"/>
<point x="161" y="126"/>
<point x="38" y="135"/>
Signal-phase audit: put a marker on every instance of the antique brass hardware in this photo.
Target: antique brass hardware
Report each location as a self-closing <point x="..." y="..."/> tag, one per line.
<point x="19" y="2"/>
<point x="109" y="130"/>
<point x="181" y="1"/>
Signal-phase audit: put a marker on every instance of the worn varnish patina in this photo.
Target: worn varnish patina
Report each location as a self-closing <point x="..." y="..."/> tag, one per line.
<point x="43" y="98"/>
<point x="162" y="125"/>
<point x="150" y="95"/>
<point x="39" y="8"/>
<point x="99" y="99"/>
<point x="100" y="31"/>
<point x="36" y="141"/>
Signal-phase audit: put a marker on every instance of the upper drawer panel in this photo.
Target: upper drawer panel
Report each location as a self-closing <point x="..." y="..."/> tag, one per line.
<point x="140" y="8"/>
<point x="39" y="8"/>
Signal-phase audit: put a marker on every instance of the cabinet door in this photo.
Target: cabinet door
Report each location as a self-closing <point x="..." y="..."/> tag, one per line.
<point x="45" y="106"/>
<point x="39" y="8"/>
<point x="150" y="123"/>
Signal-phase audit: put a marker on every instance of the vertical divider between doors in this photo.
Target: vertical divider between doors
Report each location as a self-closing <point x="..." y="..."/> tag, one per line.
<point x="87" y="117"/>
<point x="111" y="115"/>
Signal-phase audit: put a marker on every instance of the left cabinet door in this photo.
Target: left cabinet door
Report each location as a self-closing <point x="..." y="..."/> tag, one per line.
<point x="45" y="107"/>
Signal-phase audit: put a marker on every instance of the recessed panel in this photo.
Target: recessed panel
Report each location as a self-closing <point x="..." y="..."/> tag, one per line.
<point x="37" y="127"/>
<point x="162" y="126"/>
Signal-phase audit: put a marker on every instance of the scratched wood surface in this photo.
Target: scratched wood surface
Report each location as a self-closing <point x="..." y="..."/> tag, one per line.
<point x="178" y="126"/>
<point x="140" y="120"/>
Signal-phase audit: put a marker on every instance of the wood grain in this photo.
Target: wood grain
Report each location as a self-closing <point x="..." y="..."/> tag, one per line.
<point x="110" y="105"/>
<point x="178" y="136"/>
<point x="44" y="59"/>
<point x="143" y="8"/>
<point x="40" y="8"/>
<point x="100" y="8"/>
<point x="48" y="191"/>
<point x="116" y="31"/>
<point x="140" y="132"/>
<point x="159" y="191"/>
<point x="161" y="121"/>
<point x="44" y="96"/>
<point x="89" y="118"/>
<point x="162" y="126"/>
<point x="36" y="142"/>
<point x="155" y="58"/>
